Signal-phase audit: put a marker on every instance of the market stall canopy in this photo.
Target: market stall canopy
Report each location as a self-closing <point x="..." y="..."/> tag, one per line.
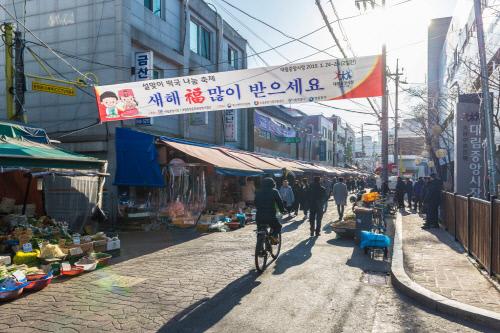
<point x="279" y="163"/>
<point x="223" y="163"/>
<point x="309" y="167"/>
<point x="22" y="153"/>
<point x="21" y="131"/>
<point x="251" y="160"/>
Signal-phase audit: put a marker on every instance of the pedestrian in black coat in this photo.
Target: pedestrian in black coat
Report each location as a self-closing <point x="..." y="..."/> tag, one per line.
<point x="299" y="196"/>
<point x="317" y="197"/>
<point x="400" y="193"/>
<point x="409" y="191"/>
<point x="432" y="201"/>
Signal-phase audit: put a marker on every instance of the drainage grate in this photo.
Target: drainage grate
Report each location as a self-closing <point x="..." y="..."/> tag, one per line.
<point x="375" y="278"/>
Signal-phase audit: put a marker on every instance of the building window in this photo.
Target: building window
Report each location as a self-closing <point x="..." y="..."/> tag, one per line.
<point x="330" y="135"/>
<point x="232" y="57"/>
<point x="157" y="73"/>
<point x="154" y="6"/>
<point x="324" y="134"/>
<point x="199" y="40"/>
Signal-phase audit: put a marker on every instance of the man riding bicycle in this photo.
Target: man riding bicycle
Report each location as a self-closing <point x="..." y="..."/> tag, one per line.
<point x="267" y="201"/>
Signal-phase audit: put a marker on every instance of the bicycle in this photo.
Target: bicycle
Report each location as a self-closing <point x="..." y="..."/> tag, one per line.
<point x="265" y="247"/>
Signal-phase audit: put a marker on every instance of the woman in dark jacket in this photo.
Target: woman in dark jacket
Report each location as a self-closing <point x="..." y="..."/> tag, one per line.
<point x="267" y="202"/>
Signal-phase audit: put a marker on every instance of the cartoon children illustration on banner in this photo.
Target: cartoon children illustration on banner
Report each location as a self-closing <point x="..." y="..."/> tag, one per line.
<point x="123" y="105"/>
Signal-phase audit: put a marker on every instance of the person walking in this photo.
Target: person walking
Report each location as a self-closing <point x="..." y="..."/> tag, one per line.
<point x="418" y="198"/>
<point x="267" y="200"/>
<point x="317" y="196"/>
<point x="340" y="195"/>
<point x="400" y="193"/>
<point x="287" y="196"/>
<point x="304" y="204"/>
<point x="299" y="196"/>
<point x="433" y="200"/>
<point x="409" y="191"/>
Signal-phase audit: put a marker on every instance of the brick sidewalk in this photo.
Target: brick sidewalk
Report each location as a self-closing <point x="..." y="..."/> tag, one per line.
<point x="437" y="262"/>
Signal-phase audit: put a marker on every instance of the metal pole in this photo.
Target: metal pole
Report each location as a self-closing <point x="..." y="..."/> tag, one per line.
<point x="9" y="75"/>
<point x="396" y="120"/>
<point x="318" y="3"/>
<point x="362" y="141"/>
<point x="486" y="105"/>
<point x="384" y="122"/>
<point x="20" y="86"/>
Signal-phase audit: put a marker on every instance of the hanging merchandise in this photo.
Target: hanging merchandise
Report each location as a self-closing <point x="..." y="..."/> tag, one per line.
<point x="185" y="197"/>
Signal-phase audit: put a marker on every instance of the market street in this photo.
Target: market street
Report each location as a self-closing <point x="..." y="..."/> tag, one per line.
<point x="209" y="283"/>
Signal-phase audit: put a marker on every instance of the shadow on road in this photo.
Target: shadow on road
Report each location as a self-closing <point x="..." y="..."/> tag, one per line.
<point x="205" y="313"/>
<point x="140" y="243"/>
<point x="292" y="226"/>
<point x="294" y="257"/>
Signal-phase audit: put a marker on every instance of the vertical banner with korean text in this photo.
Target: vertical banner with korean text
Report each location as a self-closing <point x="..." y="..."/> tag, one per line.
<point x="470" y="168"/>
<point x="289" y="84"/>
<point x="230" y="126"/>
<point x="143" y="71"/>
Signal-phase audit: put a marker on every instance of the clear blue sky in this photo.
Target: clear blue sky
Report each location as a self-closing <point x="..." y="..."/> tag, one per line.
<point x="403" y="26"/>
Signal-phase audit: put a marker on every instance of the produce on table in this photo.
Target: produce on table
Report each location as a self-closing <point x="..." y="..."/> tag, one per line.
<point x="27" y="258"/>
<point x="50" y="251"/>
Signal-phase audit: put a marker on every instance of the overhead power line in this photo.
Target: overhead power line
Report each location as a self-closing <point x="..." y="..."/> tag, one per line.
<point x="275" y="29"/>
<point x="45" y="44"/>
<point x="288" y="60"/>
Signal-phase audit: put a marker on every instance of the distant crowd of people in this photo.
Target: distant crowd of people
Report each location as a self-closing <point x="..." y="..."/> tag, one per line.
<point x="310" y="198"/>
<point x="422" y="196"/>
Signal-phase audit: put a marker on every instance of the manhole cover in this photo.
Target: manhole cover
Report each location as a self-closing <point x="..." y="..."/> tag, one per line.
<point x="375" y="278"/>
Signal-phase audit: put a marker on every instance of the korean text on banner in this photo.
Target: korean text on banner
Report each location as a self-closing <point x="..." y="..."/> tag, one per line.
<point x="288" y="84"/>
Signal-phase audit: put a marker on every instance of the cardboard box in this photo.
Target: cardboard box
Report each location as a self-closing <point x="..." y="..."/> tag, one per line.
<point x="100" y="245"/>
<point x="5" y="260"/>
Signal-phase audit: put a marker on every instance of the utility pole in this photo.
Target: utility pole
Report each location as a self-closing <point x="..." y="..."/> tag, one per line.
<point x="362" y="141"/>
<point x="318" y="3"/>
<point x="486" y="105"/>
<point x="396" y="116"/>
<point x="384" y="122"/>
<point x="384" y="117"/>
<point x="20" y="87"/>
<point x="9" y="76"/>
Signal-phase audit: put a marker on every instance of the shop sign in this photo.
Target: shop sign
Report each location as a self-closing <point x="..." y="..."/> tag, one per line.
<point x="144" y="121"/>
<point x="230" y="126"/>
<point x="143" y="65"/>
<point x="144" y="71"/>
<point x="470" y="170"/>
<point x="268" y="124"/>
<point x="276" y="85"/>
<point x="53" y="88"/>
<point x="292" y="140"/>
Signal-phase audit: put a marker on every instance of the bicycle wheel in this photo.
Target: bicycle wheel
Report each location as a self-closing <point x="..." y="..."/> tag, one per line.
<point x="260" y="255"/>
<point x="275" y="249"/>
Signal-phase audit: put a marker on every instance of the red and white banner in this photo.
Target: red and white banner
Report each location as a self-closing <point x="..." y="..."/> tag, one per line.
<point x="288" y="84"/>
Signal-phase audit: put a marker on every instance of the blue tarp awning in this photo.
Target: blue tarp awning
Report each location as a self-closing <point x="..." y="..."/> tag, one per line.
<point x="136" y="159"/>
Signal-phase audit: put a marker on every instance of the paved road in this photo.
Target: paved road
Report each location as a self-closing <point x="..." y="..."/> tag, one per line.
<point x="208" y="283"/>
